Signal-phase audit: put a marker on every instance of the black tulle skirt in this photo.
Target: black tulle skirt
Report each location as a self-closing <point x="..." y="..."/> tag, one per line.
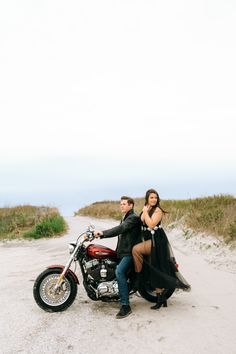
<point x="161" y="266"/>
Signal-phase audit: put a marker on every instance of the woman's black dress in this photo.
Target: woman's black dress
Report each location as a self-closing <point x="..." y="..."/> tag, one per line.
<point x="161" y="265"/>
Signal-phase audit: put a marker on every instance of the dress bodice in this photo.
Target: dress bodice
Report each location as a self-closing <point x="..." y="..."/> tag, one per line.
<point x="146" y="232"/>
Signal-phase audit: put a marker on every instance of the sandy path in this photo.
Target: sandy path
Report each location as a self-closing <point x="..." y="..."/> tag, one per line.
<point x="202" y="321"/>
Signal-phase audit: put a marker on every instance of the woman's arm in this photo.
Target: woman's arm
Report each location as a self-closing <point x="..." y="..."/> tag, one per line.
<point x="154" y="219"/>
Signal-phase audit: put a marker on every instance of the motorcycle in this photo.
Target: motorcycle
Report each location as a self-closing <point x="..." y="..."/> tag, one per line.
<point x="55" y="289"/>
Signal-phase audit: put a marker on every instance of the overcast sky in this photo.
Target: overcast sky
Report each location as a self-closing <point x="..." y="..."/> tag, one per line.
<point x="103" y="98"/>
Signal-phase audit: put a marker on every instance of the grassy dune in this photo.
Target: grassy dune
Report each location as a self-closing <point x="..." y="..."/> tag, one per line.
<point x="213" y="215"/>
<point x="30" y="222"/>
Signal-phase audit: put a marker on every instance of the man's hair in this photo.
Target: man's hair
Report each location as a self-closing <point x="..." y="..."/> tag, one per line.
<point x="129" y="200"/>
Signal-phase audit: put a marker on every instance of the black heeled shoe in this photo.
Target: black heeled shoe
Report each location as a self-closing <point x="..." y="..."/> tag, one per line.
<point x="161" y="301"/>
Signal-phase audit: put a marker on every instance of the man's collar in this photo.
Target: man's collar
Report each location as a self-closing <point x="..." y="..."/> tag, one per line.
<point x="131" y="211"/>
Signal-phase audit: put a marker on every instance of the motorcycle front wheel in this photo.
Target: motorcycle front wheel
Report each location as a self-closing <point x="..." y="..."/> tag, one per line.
<point x="149" y="294"/>
<point x="47" y="297"/>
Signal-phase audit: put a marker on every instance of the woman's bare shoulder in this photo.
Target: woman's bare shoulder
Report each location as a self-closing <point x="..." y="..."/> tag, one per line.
<point x="158" y="211"/>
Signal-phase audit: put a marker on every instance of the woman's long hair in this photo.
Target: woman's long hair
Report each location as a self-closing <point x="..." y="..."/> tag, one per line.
<point x="153" y="208"/>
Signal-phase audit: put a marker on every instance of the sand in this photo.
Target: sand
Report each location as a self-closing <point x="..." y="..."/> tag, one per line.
<point x="202" y="321"/>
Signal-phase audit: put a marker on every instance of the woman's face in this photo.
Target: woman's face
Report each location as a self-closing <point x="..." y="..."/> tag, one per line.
<point x="152" y="199"/>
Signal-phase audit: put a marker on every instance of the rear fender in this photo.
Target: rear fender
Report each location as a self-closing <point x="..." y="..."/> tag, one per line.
<point x="69" y="271"/>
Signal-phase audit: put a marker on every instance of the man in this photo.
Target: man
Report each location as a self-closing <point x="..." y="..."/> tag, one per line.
<point x="129" y="235"/>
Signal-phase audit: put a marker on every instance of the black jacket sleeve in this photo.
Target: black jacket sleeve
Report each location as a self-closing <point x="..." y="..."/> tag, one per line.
<point x="127" y="224"/>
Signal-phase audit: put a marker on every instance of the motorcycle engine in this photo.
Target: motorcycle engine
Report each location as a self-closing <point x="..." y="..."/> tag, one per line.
<point x="100" y="270"/>
<point x="101" y="275"/>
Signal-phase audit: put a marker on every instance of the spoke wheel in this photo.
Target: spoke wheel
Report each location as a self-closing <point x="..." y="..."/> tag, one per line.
<point x="50" y="299"/>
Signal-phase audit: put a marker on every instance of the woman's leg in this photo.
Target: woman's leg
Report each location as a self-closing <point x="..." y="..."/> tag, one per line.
<point x="140" y="250"/>
<point x="159" y="290"/>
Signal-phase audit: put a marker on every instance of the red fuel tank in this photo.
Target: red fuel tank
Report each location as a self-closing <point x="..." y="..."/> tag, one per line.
<point x="100" y="252"/>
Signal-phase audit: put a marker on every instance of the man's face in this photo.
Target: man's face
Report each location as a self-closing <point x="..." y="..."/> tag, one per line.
<point x="125" y="207"/>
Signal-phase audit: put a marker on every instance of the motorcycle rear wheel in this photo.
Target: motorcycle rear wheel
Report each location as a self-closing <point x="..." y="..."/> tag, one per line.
<point x="149" y="294"/>
<point x="45" y="295"/>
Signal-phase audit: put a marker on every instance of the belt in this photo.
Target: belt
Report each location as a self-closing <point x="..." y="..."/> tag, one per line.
<point x="144" y="228"/>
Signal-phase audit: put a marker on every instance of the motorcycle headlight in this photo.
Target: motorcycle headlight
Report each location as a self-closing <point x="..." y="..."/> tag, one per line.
<point x="71" y="248"/>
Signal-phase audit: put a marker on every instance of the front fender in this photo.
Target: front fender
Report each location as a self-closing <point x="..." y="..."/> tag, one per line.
<point x="69" y="271"/>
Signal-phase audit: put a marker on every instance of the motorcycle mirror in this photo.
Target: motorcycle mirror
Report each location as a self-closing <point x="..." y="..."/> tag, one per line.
<point x="91" y="227"/>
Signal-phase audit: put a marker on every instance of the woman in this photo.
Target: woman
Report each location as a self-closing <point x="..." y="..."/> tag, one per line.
<point x="162" y="270"/>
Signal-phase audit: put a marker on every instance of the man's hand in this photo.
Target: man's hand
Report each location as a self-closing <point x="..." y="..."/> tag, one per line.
<point x="97" y="233"/>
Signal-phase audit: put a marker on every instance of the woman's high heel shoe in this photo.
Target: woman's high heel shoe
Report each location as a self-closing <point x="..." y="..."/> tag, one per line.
<point x="161" y="301"/>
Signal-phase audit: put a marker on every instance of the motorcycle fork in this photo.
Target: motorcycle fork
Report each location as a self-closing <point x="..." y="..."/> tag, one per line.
<point x="67" y="266"/>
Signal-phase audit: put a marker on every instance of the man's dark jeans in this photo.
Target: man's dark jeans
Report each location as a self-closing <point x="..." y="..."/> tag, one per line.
<point x="121" y="271"/>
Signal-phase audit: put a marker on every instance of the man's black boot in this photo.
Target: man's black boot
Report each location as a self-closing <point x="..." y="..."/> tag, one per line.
<point x="125" y="311"/>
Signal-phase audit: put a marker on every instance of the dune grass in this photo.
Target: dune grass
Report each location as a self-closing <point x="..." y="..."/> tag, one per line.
<point x="30" y="222"/>
<point x="215" y="215"/>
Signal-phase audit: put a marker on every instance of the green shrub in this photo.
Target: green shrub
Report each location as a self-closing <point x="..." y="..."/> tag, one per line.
<point x="231" y="232"/>
<point x="49" y="227"/>
<point x="35" y="221"/>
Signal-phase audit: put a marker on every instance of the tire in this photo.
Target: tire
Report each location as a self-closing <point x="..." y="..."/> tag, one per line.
<point x="46" y="298"/>
<point x="149" y="294"/>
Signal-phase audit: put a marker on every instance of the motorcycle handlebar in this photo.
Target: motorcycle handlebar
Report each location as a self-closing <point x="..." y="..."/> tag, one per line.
<point x="90" y="235"/>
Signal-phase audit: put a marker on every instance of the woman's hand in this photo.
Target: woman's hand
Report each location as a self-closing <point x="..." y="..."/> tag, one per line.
<point x="146" y="208"/>
<point x="154" y="219"/>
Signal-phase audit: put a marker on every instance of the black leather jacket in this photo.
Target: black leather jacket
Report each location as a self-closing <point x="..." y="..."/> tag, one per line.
<point x="129" y="232"/>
